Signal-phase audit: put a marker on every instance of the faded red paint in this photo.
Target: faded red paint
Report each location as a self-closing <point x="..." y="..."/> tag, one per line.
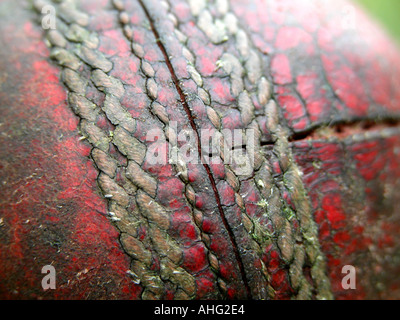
<point x="318" y="77"/>
<point x="349" y="225"/>
<point x="313" y="45"/>
<point x="52" y="212"/>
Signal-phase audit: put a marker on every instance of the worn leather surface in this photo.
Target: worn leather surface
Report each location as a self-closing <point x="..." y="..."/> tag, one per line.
<point x="79" y="190"/>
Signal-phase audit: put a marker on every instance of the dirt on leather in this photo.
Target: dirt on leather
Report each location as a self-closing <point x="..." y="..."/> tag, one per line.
<point x="79" y="190"/>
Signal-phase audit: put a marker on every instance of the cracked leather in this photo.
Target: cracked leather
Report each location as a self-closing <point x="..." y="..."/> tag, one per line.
<point x="81" y="191"/>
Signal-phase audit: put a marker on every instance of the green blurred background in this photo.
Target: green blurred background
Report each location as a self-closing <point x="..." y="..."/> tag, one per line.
<point x="387" y="12"/>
